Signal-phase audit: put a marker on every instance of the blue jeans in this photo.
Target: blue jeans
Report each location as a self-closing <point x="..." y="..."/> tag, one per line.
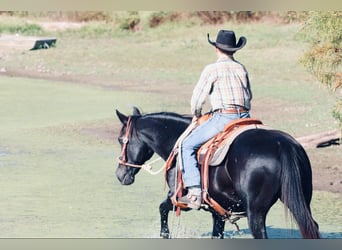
<point x="200" y="135"/>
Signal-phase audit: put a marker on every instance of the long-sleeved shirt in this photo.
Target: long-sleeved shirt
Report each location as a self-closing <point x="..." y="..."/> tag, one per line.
<point x="227" y="84"/>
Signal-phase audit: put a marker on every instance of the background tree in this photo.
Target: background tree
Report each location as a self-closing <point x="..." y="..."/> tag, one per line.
<point x="323" y="30"/>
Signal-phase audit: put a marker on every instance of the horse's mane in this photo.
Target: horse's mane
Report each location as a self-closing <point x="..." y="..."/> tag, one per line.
<point x="168" y="116"/>
<point x="177" y="120"/>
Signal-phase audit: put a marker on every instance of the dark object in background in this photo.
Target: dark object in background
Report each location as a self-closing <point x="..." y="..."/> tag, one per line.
<point x="44" y="43"/>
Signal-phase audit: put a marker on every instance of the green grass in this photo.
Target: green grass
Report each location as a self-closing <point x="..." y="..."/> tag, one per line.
<point x="31" y="103"/>
<point x="169" y="59"/>
<point x="15" y="26"/>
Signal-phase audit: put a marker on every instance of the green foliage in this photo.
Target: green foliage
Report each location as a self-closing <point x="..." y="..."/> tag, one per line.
<point x="21" y="28"/>
<point x="219" y="17"/>
<point x="86" y="16"/>
<point x="294" y="16"/>
<point x="323" y="31"/>
<point x="74" y="16"/>
<point x="130" y="21"/>
<point x="158" y="18"/>
<point x="135" y="20"/>
<point x="337" y="112"/>
<point x="91" y="30"/>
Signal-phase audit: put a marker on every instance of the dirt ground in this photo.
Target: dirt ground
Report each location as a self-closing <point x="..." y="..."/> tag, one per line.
<point x="327" y="171"/>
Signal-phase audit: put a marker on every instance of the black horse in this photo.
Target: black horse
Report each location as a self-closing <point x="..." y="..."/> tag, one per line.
<point x="261" y="167"/>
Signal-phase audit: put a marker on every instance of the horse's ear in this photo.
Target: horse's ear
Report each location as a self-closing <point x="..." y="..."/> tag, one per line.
<point x="122" y="117"/>
<point x="136" y="111"/>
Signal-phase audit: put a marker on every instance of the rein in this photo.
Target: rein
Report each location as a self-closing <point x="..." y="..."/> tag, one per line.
<point x="123" y="158"/>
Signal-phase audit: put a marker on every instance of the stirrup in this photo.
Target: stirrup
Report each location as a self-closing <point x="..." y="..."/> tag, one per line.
<point x="192" y="201"/>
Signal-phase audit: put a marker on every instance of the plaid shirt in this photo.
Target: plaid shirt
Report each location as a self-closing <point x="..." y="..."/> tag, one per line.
<point x="227" y="84"/>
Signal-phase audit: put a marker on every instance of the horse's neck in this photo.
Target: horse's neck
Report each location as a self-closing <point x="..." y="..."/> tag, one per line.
<point x="164" y="136"/>
<point x="164" y="147"/>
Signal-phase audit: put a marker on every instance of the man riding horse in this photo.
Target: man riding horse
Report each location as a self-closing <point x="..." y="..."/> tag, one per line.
<point x="227" y="85"/>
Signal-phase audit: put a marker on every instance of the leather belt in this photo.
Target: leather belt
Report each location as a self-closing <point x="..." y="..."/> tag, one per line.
<point x="231" y="111"/>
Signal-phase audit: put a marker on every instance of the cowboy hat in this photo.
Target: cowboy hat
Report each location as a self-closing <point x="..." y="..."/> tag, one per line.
<point x="226" y="41"/>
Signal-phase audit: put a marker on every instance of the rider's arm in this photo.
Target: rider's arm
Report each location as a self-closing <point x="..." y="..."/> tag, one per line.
<point x="202" y="90"/>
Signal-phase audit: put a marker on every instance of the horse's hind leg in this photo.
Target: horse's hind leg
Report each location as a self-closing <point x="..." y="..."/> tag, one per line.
<point x="257" y="209"/>
<point x="256" y="222"/>
<point x="164" y="209"/>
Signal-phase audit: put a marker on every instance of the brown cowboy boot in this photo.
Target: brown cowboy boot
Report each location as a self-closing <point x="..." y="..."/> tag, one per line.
<point x="193" y="198"/>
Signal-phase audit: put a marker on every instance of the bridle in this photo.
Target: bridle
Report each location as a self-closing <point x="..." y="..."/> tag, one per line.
<point x="122" y="158"/>
<point x="123" y="155"/>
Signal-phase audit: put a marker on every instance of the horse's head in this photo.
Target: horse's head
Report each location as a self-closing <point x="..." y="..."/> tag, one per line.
<point x="134" y="151"/>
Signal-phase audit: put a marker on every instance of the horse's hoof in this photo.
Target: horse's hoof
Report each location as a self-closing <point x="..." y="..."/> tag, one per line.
<point x="220" y="236"/>
<point x="216" y="237"/>
<point x="165" y="235"/>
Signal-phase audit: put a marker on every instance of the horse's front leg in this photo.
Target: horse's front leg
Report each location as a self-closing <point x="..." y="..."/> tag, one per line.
<point x="164" y="209"/>
<point x="218" y="226"/>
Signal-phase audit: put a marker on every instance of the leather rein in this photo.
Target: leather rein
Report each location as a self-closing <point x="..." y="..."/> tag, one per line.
<point x="123" y="155"/>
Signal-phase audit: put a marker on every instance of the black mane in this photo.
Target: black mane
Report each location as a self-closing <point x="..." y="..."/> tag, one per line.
<point x="168" y="116"/>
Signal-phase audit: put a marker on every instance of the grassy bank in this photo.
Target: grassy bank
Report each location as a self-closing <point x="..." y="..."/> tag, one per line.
<point x="168" y="60"/>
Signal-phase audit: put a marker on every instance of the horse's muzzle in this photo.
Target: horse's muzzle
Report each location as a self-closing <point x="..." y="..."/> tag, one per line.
<point x="124" y="175"/>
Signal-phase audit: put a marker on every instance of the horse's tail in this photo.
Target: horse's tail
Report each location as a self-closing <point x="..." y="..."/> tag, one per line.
<point x="296" y="188"/>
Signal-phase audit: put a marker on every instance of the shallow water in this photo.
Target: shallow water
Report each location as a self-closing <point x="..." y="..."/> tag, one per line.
<point x="3" y="152"/>
<point x="71" y="191"/>
<point x="278" y="227"/>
